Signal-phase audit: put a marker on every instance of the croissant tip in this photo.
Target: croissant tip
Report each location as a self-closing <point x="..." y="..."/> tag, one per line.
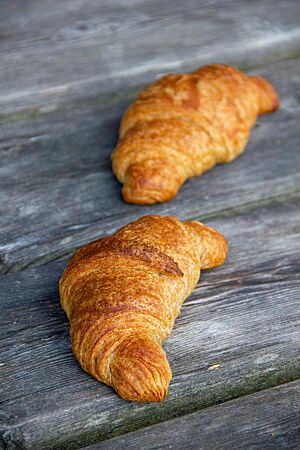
<point x="144" y="196"/>
<point x="152" y="181"/>
<point x="140" y="370"/>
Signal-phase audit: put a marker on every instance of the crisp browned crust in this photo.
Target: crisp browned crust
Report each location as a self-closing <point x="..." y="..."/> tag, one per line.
<point x="123" y="293"/>
<point x="112" y="246"/>
<point x="182" y="125"/>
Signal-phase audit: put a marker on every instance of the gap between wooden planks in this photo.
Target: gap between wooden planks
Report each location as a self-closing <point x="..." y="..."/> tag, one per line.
<point x="268" y="420"/>
<point x="79" y="51"/>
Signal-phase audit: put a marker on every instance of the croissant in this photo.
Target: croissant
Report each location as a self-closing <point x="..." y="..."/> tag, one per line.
<point x="182" y="125"/>
<point x="122" y="295"/>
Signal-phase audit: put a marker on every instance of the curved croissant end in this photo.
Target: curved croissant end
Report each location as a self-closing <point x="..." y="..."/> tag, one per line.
<point x="152" y="181"/>
<point x="268" y="98"/>
<point x="213" y="246"/>
<point x="140" y="370"/>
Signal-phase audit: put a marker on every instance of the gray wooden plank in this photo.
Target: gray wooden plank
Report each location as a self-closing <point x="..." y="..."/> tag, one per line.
<point x="268" y="420"/>
<point x="52" y="53"/>
<point x="66" y="194"/>
<point x="243" y="316"/>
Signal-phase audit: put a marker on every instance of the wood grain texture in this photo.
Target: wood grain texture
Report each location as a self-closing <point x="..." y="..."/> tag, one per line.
<point x="67" y="74"/>
<point x="243" y="316"/>
<point x="266" y="420"/>
<point x="52" y="54"/>
<point x="66" y="194"/>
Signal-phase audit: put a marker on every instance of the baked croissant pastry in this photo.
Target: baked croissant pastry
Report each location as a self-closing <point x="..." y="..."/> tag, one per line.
<point x="122" y="295"/>
<point x="182" y="125"/>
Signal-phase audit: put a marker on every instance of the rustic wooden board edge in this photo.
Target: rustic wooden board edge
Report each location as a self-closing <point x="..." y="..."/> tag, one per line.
<point x="13" y="437"/>
<point x="61" y="254"/>
<point x="128" y="90"/>
<point x="123" y="93"/>
<point x="31" y="107"/>
<point x="216" y="426"/>
<point x="86" y="49"/>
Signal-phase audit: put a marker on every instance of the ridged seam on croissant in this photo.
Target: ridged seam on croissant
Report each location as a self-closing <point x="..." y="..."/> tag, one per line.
<point x="182" y="125"/>
<point x="123" y="293"/>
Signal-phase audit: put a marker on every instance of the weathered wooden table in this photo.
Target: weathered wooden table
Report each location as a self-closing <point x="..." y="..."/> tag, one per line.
<point x="67" y="72"/>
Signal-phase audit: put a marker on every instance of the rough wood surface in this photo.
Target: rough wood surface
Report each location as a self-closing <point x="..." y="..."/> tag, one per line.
<point x="73" y="196"/>
<point x="67" y="74"/>
<point x="243" y="316"/>
<point x="268" y="420"/>
<point x="52" y="54"/>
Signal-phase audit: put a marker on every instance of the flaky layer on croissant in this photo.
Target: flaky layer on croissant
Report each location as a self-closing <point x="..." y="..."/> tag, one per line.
<point x="182" y="125"/>
<point x="123" y="293"/>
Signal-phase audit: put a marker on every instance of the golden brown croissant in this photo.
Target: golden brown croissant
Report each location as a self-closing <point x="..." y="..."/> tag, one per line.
<point x="123" y="293"/>
<point x="182" y="125"/>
